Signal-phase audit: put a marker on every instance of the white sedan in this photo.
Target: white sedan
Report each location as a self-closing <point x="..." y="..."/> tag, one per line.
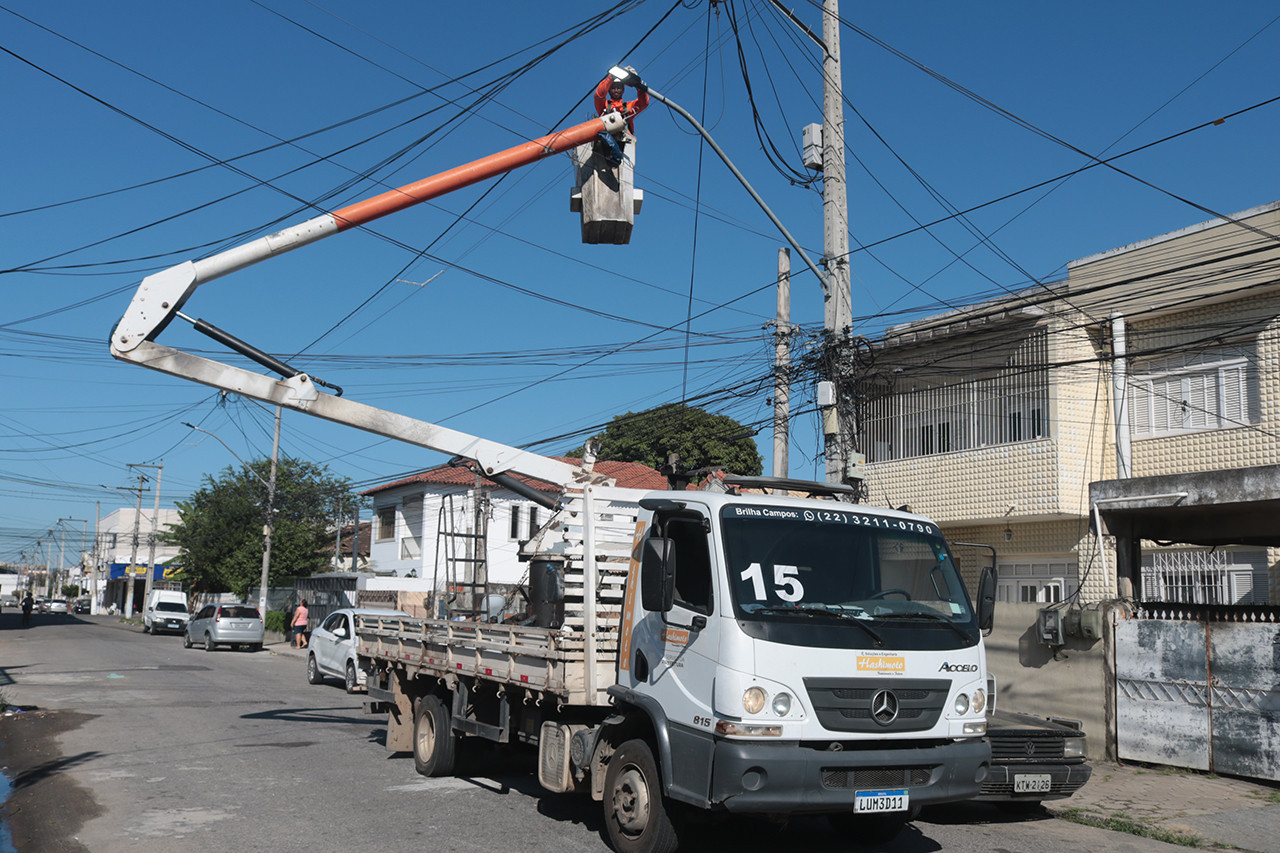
<point x="331" y="650"/>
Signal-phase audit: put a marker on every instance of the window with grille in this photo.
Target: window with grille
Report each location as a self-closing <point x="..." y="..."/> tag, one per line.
<point x="1187" y="392"/>
<point x="1205" y="576"/>
<point x="989" y="394"/>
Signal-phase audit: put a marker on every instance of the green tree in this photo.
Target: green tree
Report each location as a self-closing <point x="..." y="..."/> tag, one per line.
<point x="702" y="439"/>
<point x="219" y="532"/>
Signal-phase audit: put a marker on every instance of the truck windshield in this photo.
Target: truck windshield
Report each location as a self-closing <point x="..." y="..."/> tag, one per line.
<point x="805" y="575"/>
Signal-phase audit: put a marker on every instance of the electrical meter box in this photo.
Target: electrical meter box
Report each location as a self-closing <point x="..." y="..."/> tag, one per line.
<point x="1049" y="626"/>
<point x="811" y="136"/>
<point x="1091" y="624"/>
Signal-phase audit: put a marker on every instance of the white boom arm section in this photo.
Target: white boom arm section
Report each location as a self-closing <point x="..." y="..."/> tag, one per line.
<point x="160" y="298"/>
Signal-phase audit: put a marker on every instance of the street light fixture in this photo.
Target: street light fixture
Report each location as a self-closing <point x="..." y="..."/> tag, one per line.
<point x="269" y="526"/>
<point x="630" y="77"/>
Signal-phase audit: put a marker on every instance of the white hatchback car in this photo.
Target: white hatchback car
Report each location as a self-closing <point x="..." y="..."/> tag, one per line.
<point x="331" y="650"/>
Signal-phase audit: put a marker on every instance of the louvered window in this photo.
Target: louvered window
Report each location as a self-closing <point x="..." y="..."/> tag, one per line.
<point x="1187" y="392"/>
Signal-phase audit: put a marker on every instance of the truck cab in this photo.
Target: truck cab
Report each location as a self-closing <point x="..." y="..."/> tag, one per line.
<point x="796" y="655"/>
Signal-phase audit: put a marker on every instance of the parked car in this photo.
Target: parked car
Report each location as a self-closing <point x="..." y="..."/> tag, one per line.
<point x="58" y="605"/>
<point x="331" y="650"/>
<point x="235" y="625"/>
<point x="1033" y="759"/>
<point x="82" y="605"/>
<point x="166" y="610"/>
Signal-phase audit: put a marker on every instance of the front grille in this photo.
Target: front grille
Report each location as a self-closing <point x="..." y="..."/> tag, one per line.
<point x="1005" y="789"/>
<point x="844" y="704"/>
<point x="1022" y="747"/>
<point x="839" y="778"/>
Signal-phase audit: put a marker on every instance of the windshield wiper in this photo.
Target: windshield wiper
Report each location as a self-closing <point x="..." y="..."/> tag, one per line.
<point x="932" y="617"/>
<point x="810" y="610"/>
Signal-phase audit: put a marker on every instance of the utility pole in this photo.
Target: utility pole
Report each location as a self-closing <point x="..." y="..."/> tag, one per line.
<point x="782" y="368"/>
<point x="269" y="526"/>
<point x="84" y="535"/>
<point x="133" y="555"/>
<point x="155" y="530"/>
<point x="837" y="301"/>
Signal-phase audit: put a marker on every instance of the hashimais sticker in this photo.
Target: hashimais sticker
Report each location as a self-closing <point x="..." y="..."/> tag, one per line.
<point x="680" y="638"/>
<point x="882" y="663"/>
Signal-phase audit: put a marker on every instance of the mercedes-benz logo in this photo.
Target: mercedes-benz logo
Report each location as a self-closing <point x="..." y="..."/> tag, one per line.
<point x="884" y="707"/>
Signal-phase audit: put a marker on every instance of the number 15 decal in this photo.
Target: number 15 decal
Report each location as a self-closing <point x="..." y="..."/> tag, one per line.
<point x="785" y="583"/>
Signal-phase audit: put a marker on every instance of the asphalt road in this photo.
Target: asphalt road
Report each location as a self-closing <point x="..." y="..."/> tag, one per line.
<point x="140" y="745"/>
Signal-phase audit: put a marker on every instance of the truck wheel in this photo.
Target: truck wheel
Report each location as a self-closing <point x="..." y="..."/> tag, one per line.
<point x="435" y="747"/>
<point x="313" y="671"/>
<point x="352" y="681"/>
<point x="635" y="813"/>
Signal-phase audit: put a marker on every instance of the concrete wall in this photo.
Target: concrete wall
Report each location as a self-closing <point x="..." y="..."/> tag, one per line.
<point x="1031" y="679"/>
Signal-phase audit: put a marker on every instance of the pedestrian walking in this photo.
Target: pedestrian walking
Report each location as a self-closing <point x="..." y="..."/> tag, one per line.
<point x="300" y="625"/>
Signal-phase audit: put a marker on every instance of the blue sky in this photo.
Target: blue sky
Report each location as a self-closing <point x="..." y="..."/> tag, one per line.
<point x="141" y="134"/>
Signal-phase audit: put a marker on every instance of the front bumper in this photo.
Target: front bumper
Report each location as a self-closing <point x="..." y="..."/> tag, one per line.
<point x="1064" y="780"/>
<point x="779" y="778"/>
<point x="168" y="626"/>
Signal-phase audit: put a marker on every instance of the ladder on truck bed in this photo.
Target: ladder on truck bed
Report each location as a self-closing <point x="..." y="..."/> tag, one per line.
<point x="463" y="557"/>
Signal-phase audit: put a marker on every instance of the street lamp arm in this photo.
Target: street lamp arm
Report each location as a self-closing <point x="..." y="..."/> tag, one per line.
<point x="629" y="76"/>
<point x="246" y="465"/>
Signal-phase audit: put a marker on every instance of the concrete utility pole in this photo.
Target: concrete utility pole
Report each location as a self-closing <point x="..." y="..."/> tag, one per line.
<point x="837" y="302"/>
<point x="269" y="527"/>
<point x="133" y="555"/>
<point x="155" y="531"/>
<point x="782" y="368"/>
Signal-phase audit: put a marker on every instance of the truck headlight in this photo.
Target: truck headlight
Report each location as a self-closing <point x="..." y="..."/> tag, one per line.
<point x="782" y="704"/>
<point x="979" y="700"/>
<point x="753" y="700"/>
<point x="962" y="703"/>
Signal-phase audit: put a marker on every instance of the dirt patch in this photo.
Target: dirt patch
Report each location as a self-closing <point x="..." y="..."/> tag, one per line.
<point x="46" y="808"/>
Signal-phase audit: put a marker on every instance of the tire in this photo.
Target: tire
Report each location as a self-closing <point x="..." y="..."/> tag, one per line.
<point x="146" y="629"/>
<point x="635" y="812"/>
<point x="255" y="647"/>
<point x="314" y="676"/>
<point x="186" y="640"/>
<point x="209" y="645"/>
<point x="352" y="680"/>
<point x="435" y="746"/>
<point x="871" y="830"/>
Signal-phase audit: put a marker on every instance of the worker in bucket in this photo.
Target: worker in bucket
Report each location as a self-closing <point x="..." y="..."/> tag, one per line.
<point x="610" y="98"/>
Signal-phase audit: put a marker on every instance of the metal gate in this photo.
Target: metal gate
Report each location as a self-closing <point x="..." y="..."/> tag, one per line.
<point x="1199" y="687"/>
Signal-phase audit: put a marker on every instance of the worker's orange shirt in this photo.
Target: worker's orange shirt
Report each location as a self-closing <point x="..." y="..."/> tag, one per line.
<point x="605" y="104"/>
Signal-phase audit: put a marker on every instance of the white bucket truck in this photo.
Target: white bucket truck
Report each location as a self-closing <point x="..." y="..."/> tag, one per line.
<point x="689" y="650"/>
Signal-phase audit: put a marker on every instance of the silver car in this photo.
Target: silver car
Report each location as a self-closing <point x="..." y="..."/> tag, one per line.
<point x="235" y="625"/>
<point x="331" y="651"/>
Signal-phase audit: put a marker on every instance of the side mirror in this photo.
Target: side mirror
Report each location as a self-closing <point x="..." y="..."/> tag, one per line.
<point x="987" y="600"/>
<point x="658" y="575"/>
<point x="340" y="631"/>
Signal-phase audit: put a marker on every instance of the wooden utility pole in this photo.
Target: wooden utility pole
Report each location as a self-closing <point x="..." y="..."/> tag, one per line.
<point x="837" y="302"/>
<point x="782" y="367"/>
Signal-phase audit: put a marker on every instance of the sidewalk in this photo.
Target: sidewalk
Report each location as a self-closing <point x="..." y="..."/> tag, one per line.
<point x="1181" y="806"/>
